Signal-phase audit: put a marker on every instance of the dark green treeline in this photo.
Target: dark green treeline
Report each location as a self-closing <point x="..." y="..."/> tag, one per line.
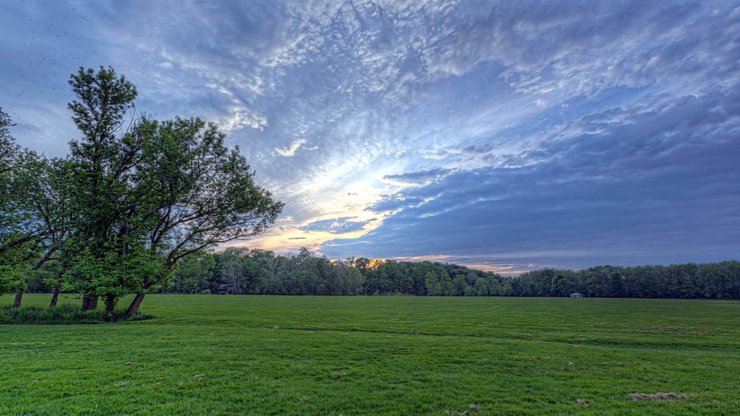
<point x="239" y="271"/>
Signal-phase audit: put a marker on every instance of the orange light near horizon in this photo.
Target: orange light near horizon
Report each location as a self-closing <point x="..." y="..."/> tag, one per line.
<point x="374" y="263"/>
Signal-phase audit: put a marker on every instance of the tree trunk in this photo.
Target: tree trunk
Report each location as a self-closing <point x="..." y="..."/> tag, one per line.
<point x="110" y="306"/>
<point x="18" y="298"/>
<point x="85" y="302"/>
<point x="93" y="303"/>
<point x="54" y="297"/>
<point x="135" y="304"/>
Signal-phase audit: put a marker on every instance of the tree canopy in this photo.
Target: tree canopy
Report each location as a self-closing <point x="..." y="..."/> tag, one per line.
<point x="134" y="197"/>
<point x="256" y="272"/>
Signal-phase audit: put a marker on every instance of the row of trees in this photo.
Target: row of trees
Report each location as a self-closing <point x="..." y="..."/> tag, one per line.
<point x="687" y="281"/>
<point x="241" y="271"/>
<point x="133" y="199"/>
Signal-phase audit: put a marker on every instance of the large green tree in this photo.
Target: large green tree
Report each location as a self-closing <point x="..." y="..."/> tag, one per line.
<point x="189" y="193"/>
<point x="151" y="195"/>
<point x="100" y="165"/>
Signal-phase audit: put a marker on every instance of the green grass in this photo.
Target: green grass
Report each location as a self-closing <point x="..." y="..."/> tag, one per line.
<point x="66" y="314"/>
<point x="263" y="355"/>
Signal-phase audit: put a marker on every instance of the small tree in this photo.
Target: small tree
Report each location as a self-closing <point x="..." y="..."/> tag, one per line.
<point x="17" y="225"/>
<point x="42" y="189"/>
<point x="21" y="232"/>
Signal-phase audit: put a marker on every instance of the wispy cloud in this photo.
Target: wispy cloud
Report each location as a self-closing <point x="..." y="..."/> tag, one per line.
<point x="290" y="150"/>
<point x="509" y="134"/>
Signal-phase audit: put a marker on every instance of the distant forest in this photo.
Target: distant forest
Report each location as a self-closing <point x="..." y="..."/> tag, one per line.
<point x="259" y="272"/>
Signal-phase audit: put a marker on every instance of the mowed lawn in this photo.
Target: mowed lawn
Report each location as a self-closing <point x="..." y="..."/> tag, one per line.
<point x="262" y="355"/>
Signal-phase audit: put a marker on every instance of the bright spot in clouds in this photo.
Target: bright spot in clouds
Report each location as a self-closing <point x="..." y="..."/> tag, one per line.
<point x="290" y="150"/>
<point x="504" y="135"/>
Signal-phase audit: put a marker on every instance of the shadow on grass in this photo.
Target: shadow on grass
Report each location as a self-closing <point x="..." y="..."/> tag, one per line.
<point x="62" y="315"/>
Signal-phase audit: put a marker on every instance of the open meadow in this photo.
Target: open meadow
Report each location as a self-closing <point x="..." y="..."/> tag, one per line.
<point x="208" y="354"/>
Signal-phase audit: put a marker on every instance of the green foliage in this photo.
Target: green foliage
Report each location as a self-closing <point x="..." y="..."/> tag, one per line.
<point x="36" y="214"/>
<point x="127" y="205"/>
<point x="8" y="148"/>
<point x="712" y="280"/>
<point x="431" y="282"/>
<point x="102" y="101"/>
<point x="240" y="271"/>
<point x="176" y="209"/>
<point x="64" y="314"/>
<point x="194" y="273"/>
<point x="13" y="273"/>
<point x="98" y="249"/>
<point x="156" y="194"/>
<point x="20" y="231"/>
<point x="459" y="285"/>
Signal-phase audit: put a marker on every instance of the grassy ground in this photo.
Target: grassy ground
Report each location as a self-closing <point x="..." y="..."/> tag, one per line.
<point x="379" y="355"/>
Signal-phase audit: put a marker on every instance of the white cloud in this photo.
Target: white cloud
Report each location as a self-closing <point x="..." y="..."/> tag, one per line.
<point x="290" y="150"/>
<point x="241" y="117"/>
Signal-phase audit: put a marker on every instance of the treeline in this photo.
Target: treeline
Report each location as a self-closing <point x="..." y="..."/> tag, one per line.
<point x="685" y="281"/>
<point x="134" y="198"/>
<point x="241" y="271"/>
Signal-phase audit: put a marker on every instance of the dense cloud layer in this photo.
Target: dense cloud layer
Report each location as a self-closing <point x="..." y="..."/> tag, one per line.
<point x="508" y="135"/>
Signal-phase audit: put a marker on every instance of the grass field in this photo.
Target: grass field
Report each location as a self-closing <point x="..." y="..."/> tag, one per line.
<point x="264" y="355"/>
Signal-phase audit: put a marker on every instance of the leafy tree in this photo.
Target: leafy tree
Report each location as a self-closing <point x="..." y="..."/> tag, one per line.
<point x="17" y="226"/>
<point x="100" y="163"/>
<point x="22" y="229"/>
<point x="190" y="193"/>
<point x="352" y="280"/>
<point x="459" y="285"/>
<point x="563" y="284"/>
<point x="8" y="148"/>
<point x="194" y="273"/>
<point x="145" y="198"/>
<point x="431" y="282"/>
<point x="482" y="287"/>
<point x="445" y="281"/>
<point x="43" y="186"/>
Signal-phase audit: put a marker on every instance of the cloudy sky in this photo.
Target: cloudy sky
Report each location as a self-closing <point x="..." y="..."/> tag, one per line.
<point x="504" y="135"/>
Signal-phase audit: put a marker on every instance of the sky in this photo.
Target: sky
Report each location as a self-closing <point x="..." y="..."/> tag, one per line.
<point x="507" y="136"/>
